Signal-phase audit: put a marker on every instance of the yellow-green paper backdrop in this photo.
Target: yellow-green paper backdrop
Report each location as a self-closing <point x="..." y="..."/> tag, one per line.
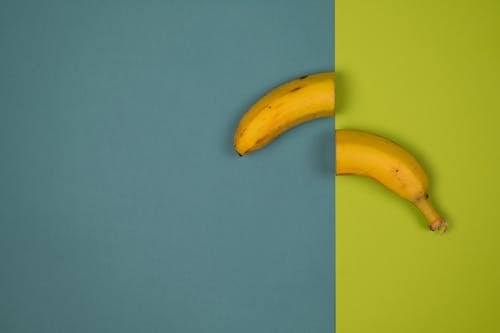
<point x="425" y="74"/>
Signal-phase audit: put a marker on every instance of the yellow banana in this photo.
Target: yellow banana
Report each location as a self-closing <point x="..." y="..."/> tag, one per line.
<point x="370" y="155"/>
<point x="357" y="152"/>
<point x="288" y="105"/>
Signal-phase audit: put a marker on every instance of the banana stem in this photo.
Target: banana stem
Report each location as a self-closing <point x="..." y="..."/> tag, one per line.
<point x="434" y="220"/>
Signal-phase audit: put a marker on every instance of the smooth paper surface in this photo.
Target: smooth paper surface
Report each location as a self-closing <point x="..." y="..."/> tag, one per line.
<point x="123" y="206"/>
<point x="425" y="74"/>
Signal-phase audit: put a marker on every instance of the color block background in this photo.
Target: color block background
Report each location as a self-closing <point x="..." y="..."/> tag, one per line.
<point x="123" y="207"/>
<point x="424" y="73"/>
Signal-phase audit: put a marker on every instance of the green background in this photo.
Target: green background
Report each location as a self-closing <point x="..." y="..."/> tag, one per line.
<point x="123" y="206"/>
<point x="425" y="74"/>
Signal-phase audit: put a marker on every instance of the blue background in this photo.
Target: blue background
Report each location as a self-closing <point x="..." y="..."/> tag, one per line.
<point x="123" y="207"/>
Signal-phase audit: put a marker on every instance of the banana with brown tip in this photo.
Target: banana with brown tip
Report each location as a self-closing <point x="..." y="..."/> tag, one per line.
<point x="366" y="154"/>
<point x="286" y="106"/>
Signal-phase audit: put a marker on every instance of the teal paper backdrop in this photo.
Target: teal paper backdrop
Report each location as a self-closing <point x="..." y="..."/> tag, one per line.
<point x="123" y="207"/>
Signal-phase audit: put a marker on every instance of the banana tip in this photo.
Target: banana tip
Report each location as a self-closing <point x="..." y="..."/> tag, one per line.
<point x="439" y="225"/>
<point x="240" y="151"/>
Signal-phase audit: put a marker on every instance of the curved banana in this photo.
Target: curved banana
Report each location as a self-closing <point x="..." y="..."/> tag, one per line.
<point x="370" y="155"/>
<point x="288" y="105"/>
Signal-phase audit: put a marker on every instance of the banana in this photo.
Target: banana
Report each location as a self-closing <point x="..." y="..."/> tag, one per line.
<point x="286" y="106"/>
<point x="357" y="152"/>
<point x="366" y="154"/>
